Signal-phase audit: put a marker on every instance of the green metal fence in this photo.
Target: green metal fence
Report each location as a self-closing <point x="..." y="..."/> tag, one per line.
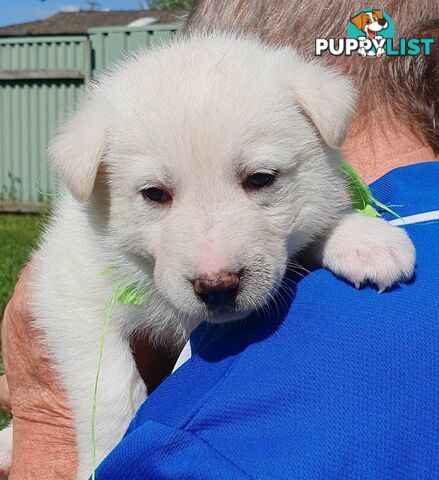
<point x="109" y="44"/>
<point x="41" y="79"/>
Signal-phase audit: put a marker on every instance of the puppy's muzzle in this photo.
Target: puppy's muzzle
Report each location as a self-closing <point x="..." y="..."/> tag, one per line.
<point x="219" y="289"/>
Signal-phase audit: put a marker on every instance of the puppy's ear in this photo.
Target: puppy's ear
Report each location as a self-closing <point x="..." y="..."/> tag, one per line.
<point x="78" y="148"/>
<point x="378" y="13"/>
<point x="327" y="98"/>
<point x="359" y="20"/>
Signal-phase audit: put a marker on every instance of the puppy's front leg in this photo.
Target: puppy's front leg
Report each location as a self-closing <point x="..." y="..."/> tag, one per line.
<point x="5" y="450"/>
<point x="120" y="393"/>
<point x="120" y="389"/>
<point x="363" y="249"/>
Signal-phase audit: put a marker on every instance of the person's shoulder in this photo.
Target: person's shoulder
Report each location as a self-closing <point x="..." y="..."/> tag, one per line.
<point x="409" y="190"/>
<point x="412" y="193"/>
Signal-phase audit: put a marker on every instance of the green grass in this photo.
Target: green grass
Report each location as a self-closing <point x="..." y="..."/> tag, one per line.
<point x="18" y="238"/>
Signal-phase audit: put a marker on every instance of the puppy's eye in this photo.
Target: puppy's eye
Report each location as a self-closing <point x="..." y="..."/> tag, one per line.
<point x="368" y="20"/>
<point x="156" y="195"/>
<point x="259" y="180"/>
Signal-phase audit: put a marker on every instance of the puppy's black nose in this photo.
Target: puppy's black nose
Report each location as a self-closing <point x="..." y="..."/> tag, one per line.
<point x="382" y="21"/>
<point x="217" y="289"/>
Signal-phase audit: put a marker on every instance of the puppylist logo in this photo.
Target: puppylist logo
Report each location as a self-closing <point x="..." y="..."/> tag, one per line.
<point x="371" y="34"/>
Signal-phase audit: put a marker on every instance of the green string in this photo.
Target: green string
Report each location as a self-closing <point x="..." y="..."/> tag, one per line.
<point x="131" y="294"/>
<point x="47" y="194"/>
<point x="125" y="294"/>
<point x="108" y="313"/>
<point x="361" y="196"/>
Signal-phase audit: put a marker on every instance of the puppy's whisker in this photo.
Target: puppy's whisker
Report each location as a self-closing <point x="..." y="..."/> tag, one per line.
<point x="286" y="294"/>
<point x="295" y="264"/>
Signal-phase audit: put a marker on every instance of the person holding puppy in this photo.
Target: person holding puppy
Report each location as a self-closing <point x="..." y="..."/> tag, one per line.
<point x="370" y="147"/>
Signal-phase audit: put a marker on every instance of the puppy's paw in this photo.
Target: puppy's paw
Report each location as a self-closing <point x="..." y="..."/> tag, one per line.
<point x="5" y="451"/>
<point x="369" y="250"/>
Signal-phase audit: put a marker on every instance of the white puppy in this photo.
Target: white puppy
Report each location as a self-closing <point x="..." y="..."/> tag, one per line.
<point x="196" y="169"/>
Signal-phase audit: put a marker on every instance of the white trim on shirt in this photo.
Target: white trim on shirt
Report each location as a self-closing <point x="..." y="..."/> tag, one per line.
<point x="185" y="355"/>
<point x="418" y="218"/>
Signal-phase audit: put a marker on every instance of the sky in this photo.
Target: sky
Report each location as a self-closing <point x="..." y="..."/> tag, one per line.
<point x="18" y="11"/>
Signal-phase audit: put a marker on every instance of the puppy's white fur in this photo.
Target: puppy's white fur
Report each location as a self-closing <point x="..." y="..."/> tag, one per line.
<point x="196" y="118"/>
<point x="5" y="451"/>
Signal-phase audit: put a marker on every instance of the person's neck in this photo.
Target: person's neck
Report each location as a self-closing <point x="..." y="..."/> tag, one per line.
<point x="383" y="145"/>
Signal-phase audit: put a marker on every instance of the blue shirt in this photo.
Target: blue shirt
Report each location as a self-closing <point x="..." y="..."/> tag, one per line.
<point x="340" y="384"/>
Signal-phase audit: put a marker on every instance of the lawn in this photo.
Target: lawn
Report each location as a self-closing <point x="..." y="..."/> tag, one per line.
<point x="18" y="237"/>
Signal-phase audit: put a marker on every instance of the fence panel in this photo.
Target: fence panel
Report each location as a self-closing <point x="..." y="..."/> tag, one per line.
<point x="110" y="44"/>
<point x="41" y="78"/>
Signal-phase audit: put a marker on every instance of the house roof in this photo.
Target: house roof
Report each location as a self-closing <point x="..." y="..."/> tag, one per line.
<point x="77" y="23"/>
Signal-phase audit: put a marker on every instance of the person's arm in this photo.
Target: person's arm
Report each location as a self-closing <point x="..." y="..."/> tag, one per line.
<point x="44" y="437"/>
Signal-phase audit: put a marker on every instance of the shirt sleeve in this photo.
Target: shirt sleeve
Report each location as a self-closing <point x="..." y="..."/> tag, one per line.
<point x="159" y="452"/>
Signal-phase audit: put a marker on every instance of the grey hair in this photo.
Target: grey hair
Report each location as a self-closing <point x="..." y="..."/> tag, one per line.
<point x="408" y="86"/>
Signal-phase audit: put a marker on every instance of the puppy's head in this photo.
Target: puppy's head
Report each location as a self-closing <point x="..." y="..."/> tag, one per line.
<point x="219" y="166"/>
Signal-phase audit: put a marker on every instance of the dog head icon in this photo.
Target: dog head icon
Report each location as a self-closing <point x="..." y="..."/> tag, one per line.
<point x="370" y="22"/>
